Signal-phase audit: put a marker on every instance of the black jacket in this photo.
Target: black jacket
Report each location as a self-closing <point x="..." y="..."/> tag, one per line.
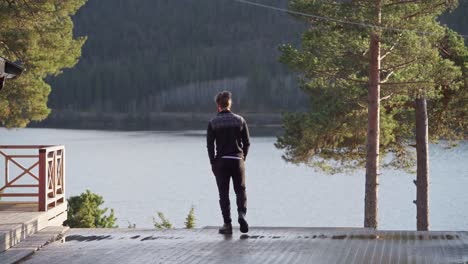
<point x="231" y="134"/>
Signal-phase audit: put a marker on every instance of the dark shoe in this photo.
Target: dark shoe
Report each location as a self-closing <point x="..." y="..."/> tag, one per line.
<point x="244" y="226"/>
<point x="226" y="229"/>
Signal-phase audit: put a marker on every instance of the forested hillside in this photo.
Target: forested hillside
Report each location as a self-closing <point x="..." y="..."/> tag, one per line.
<point x="146" y="56"/>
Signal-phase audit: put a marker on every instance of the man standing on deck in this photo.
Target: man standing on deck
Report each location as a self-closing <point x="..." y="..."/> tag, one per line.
<point x="231" y="134"/>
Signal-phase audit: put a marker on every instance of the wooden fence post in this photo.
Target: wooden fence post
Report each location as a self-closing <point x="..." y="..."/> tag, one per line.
<point x="43" y="180"/>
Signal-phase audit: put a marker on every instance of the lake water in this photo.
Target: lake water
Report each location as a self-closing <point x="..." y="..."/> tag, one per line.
<point x="140" y="173"/>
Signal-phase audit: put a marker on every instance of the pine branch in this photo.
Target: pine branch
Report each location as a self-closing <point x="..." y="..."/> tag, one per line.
<point x="399" y="66"/>
<point x="15" y="53"/>
<point x="363" y="106"/>
<point x="386" y="97"/>
<point x="327" y="74"/>
<point x="387" y="77"/>
<point x="389" y="51"/>
<point x="445" y="51"/>
<point x="423" y="11"/>
<point x="365" y="52"/>
<point x="407" y="83"/>
<point x="400" y="2"/>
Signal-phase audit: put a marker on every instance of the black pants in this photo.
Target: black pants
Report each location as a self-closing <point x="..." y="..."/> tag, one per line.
<point x="224" y="169"/>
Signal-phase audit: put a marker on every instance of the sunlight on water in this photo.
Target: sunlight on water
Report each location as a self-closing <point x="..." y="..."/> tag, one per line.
<point x="139" y="173"/>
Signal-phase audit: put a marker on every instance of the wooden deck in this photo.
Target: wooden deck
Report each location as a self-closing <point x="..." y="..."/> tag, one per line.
<point x="18" y="207"/>
<point x="261" y="245"/>
<point x="32" y="191"/>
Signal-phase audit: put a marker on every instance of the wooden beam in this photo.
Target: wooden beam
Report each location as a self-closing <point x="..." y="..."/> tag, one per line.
<point x="6" y="171"/>
<point x="23" y="146"/>
<point x="28" y="170"/>
<point x="24" y="186"/>
<point x="23" y="156"/>
<point x="19" y="194"/>
<point x="42" y="181"/>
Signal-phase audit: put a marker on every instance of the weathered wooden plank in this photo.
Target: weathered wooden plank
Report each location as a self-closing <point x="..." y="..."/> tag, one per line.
<point x="18" y="206"/>
<point x="262" y="245"/>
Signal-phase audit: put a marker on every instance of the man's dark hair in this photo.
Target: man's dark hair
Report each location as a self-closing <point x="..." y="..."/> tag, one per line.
<point x="222" y="99"/>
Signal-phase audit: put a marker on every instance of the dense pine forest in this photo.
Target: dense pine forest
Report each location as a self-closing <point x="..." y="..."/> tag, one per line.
<point x="146" y="56"/>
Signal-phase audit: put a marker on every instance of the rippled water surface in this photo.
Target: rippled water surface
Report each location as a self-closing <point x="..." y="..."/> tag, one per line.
<point x="140" y="173"/>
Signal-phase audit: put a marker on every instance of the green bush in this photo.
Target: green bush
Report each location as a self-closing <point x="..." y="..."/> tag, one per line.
<point x="190" y="220"/>
<point x="164" y="224"/>
<point x="130" y="225"/>
<point x="84" y="212"/>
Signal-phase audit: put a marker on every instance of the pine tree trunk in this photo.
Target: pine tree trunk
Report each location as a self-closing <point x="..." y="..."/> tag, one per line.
<point x="422" y="154"/>
<point x="373" y="130"/>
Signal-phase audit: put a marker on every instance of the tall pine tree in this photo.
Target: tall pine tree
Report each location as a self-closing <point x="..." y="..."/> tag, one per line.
<point x="344" y="62"/>
<point x="39" y="34"/>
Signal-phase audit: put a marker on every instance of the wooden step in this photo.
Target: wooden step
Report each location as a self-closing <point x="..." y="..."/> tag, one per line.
<point x="16" y="226"/>
<point x="31" y="244"/>
<point x="21" y="220"/>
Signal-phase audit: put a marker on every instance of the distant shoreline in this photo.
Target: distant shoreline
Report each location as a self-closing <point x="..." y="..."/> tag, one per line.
<point x="259" y="123"/>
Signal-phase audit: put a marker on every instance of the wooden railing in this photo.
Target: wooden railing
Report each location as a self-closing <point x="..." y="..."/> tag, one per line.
<point x="44" y="175"/>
